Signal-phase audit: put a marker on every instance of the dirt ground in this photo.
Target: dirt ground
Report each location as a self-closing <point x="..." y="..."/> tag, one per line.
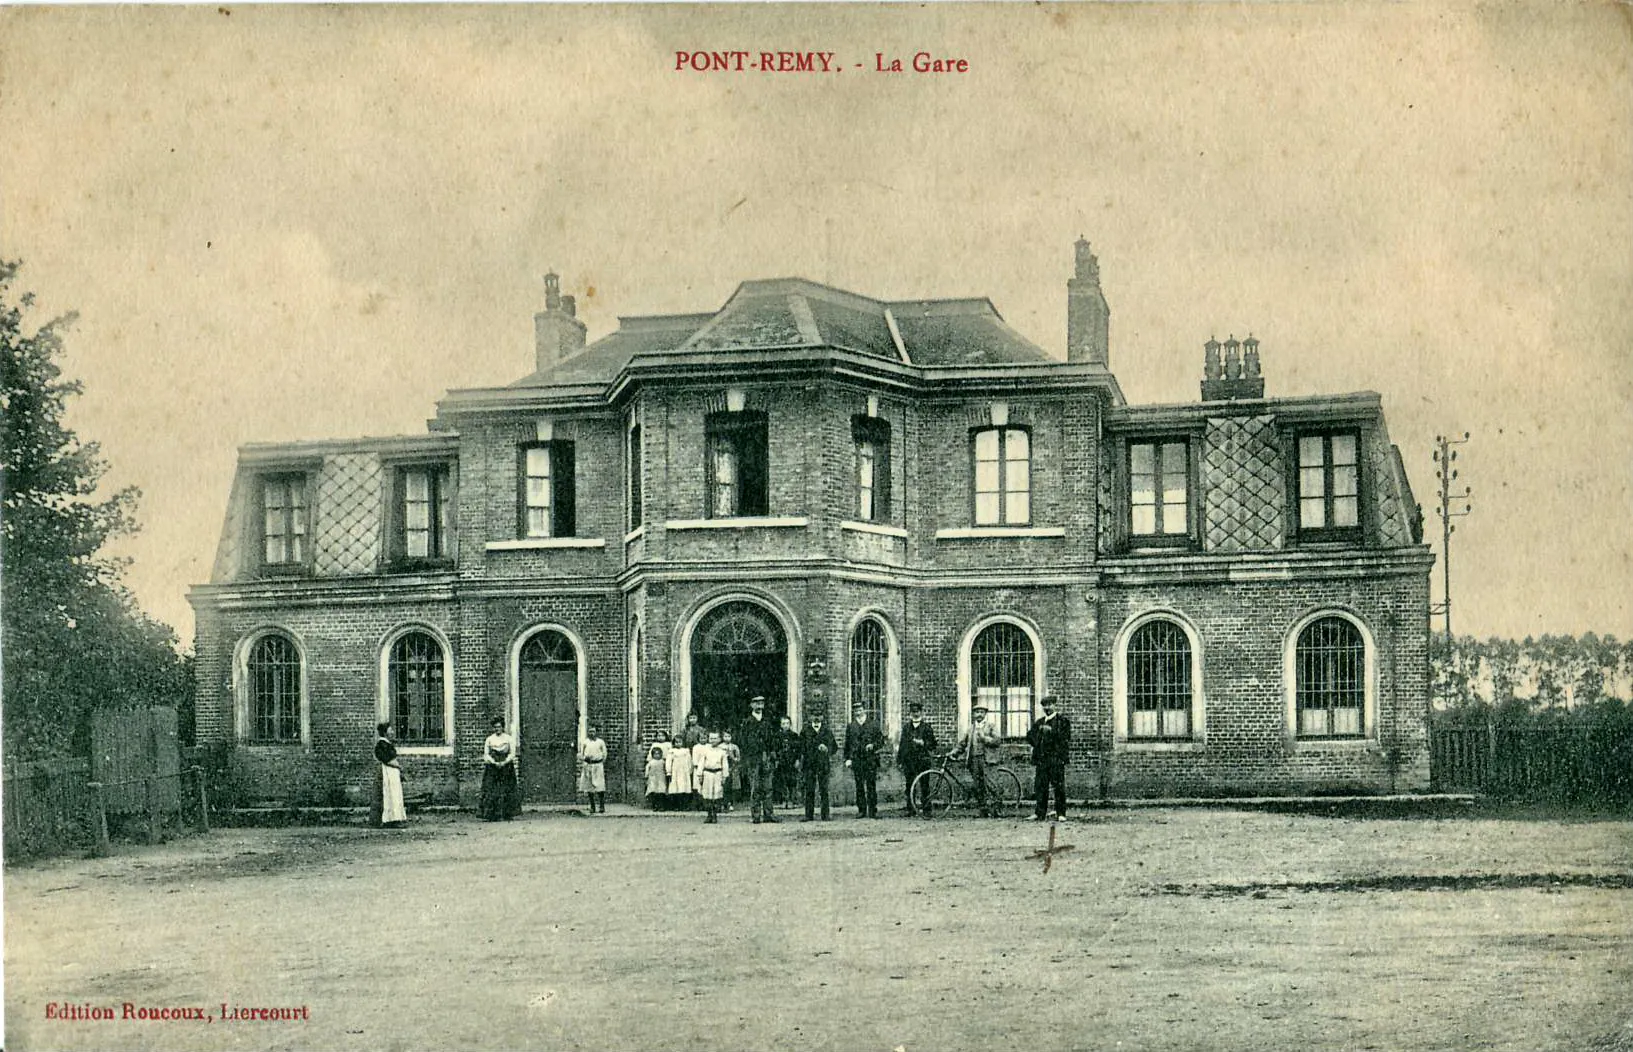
<point x="1159" y="929"/>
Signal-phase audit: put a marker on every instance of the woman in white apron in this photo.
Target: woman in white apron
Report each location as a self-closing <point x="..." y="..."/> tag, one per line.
<point x="392" y="813"/>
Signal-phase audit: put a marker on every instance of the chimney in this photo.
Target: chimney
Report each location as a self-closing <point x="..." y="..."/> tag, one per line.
<point x="1237" y="375"/>
<point x="1088" y="319"/>
<point x="557" y="332"/>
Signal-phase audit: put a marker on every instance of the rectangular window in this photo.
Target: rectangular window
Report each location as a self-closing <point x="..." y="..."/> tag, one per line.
<point x="424" y="512"/>
<point x="284" y="521"/>
<point x="635" y="463"/>
<point x="738" y="482"/>
<point x="872" y="440"/>
<point x="1159" y="475"/>
<point x="547" y="497"/>
<point x="1329" y="484"/>
<point x="1003" y="477"/>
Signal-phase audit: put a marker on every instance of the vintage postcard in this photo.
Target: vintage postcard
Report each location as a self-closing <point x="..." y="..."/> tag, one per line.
<point x="807" y="526"/>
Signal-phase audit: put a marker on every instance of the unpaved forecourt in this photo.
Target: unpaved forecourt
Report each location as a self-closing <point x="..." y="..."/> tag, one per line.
<point x="1160" y="928"/>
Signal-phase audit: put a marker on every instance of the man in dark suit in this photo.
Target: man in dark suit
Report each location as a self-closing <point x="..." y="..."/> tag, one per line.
<point x="817" y="748"/>
<point x="916" y="754"/>
<point x="864" y="744"/>
<point x="758" y="738"/>
<point x="1051" y="740"/>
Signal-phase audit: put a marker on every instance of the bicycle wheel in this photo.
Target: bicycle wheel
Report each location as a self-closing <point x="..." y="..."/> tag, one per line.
<point x="935" y="793"/>
<point x="1004" y="793"/>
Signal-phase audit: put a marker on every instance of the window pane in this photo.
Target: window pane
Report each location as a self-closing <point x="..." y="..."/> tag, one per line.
<point x="1312" y="515"/>
<point x="725" y="466"/>
<point x="1018" y="477"/>
<point x="986" y="445"/>
<point x="1143" y="724"/>
<point x="1017" y="445"/>
<point x="417" y="485"/>
<point x="1173" y="518"/>
<point x="1345" y="511"/>
<point x="986" y="509"/>
<point x="1173" y="461"/>
<point x="1018" y="509"/>
<point x="1142" y="490"/>
<point x="1312" y="482"/>
<point x="1343" y="449"/>
<point x="986" y="476"/>
<point x="538" y="522"/>
<point x="864" y="505"/>
<point x="538" y="462"/>
<point x="1346" y="721"/>
<point x="538" y="493"/>
<point x="1141" y="459"/>
<point x="1145" y="518"/>
<point x="1344" y="480"/>
<point x="1173" y="489"/>
<point x="1310" y="452"/>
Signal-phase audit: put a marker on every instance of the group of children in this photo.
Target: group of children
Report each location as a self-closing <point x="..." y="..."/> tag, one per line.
<point x="678" y="777"/>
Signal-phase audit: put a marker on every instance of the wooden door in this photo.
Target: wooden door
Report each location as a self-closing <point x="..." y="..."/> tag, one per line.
<point x="547" y="682"/>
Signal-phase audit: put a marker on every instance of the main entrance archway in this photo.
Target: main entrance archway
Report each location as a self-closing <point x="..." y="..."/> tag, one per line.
<point x="738" y="649"/>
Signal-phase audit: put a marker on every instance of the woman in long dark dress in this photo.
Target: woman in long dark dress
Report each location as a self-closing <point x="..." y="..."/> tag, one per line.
<point x="392" y="813"/>
<point x="501" y="794"/>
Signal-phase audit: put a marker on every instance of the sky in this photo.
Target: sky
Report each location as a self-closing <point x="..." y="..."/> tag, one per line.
<point x="281" y="223"/>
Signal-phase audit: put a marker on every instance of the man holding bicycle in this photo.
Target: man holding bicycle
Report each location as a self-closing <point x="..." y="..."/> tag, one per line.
<point x="978" y="747"/>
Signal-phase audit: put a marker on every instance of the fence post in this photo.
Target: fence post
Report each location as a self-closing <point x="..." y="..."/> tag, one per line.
<point x="203" y="800"/>
<point x="99" y="820"/>
<point x="154" y="822"/>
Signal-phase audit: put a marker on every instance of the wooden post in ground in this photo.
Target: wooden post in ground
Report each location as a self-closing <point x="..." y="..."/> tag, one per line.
<point x="203" y="801"/>
<point x="99" y="820"/>
<point x="154" y="821"/>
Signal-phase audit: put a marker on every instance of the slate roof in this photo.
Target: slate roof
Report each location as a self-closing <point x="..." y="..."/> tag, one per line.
<point x="792" y="313"/>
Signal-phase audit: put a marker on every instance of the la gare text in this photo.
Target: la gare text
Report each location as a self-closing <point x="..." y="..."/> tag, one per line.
<point x="812" y="62"/>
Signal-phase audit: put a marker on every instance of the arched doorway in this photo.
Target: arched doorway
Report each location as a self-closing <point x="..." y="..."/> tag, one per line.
<point x="548" y="685"/>
<point x="738" y="650"/>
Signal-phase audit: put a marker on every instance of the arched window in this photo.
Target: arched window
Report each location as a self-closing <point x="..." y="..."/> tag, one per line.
<point x="1159" y="681"/>
<point x="417" y="690"/>
<point x="870" y="666"/>
<point x="1330" y="679"/>
<point x="1003" y="666"/>
<point x="274" y="673"/>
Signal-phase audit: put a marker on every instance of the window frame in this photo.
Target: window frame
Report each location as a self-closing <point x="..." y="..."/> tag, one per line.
<point x="880" y="662"/>
<point x="439" y="707"/>
<point x="874" y="431"/>
<point x="299" y="480"/>
<point x="1003" y="491"/>
<point x="746" y="431"/>
<point x="1361" y="657"/>
<point x="1131" y="685"/>
<point x="442" y="526"/>
<point x="563" y="485"/>
<point x="634" y="466"/>
<point x="970" y="689"/>
<point x="1296" y="468"/>
<point x="1185" y="539"/>
<point x="246" y="702"/>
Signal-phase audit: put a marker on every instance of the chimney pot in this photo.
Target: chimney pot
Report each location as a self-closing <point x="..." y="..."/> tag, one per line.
<point x="1088" y="317"/>
<point x="1237" y="375"/>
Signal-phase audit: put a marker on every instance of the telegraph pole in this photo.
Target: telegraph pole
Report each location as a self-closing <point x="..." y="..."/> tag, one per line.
<point x="1446" y="457"/>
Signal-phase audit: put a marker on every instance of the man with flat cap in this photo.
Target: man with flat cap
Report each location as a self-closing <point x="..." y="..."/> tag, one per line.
<point x="758" y="738"/>
<point x="917" y="750"/>
<point x="1051" y="740"/>
<point x="979" y="748"/>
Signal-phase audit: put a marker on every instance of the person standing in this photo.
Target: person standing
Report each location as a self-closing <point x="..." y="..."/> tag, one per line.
<point x="864" y="741"/>
<point x="817" y="748"/>
<point x="657" y="774"/>
<point x="679" y="766"/>
<point x="691" y="735"/>
<point x="916" y="753"/>
<point x="978" y="747"/>
<point x="757" y="741"/>
<point x="787" y="774"/>
<point x="392" y="813"/>
<point x="592" y="776"/>
<point x="734" y="761"/>
<point x="711" y="768"/>
<point x="501" y="794"/>
<point x="1051" y="740"/>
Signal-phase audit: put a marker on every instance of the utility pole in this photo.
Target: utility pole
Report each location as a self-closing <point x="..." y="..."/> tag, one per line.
<point x="1446" y="456"/>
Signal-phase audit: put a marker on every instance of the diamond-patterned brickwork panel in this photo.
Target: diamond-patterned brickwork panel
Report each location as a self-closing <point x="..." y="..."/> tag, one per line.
<point x="1393" y="530"/>
<point x="1244" y="490"/>
<point x="348" y="516"/>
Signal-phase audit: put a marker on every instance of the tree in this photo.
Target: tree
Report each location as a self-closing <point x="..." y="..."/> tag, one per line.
<point x="71" y="636"/>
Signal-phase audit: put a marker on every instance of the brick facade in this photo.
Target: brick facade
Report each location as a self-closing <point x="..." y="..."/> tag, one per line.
<point x="1070" y="578"/>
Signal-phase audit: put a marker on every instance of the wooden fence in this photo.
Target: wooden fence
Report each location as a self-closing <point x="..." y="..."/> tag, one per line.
<point x="129" y="745"/>
<point x="1564" y="763"/>
<point x="47" y="809"/>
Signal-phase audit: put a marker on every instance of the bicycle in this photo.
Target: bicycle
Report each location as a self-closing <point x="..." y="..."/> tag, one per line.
<point x="948" y="785"/>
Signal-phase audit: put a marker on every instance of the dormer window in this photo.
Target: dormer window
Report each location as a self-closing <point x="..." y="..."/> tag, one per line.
<point x="1159" y="483"/>
<point x="285" y="523"/>
<point x="423" y="513"/>
<point x="1329" y="486"/>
